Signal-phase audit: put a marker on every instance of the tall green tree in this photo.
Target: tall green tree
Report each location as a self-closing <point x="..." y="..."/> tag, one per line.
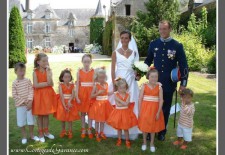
<point x="16" y="38"/>
<point x="159" y="10"/>
<point x="96" y="30"/>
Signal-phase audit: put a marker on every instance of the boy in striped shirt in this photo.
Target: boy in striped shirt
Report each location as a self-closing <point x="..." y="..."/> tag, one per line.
<point x="185" y="122"/>
<point x="22" y="92"/>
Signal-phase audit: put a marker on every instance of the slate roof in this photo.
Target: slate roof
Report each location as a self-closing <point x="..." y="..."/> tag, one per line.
<point x="98" y="12"/>
<point x="39" y="12"/>
<point x="82" y="16"/>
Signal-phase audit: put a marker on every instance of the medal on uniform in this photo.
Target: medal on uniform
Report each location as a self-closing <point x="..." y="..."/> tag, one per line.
<point x="171" y="54"/>
<point x="154" y="54"/>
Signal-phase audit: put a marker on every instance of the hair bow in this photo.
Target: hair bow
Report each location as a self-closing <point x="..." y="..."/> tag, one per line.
<point x="69" y="69"/>
<point x="103" y="67"/>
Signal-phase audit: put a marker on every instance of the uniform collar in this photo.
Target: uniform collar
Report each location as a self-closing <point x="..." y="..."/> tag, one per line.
<point x="166" y="40"/>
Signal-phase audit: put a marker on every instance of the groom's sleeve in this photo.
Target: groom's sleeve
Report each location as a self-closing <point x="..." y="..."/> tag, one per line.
<point x="182" y="62"/>
<point x="149" y="58"/>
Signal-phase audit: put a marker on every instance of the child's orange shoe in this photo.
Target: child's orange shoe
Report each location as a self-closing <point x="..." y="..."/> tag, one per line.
<point x="97" y="137"/>
<point x="62" y="134"/>
<point x="70" y="134"/>
<point x="119" y="142"/>
<point x="83" y="135"/>
<point x="128" y="144"/>
<point x="90" y="135"/>
<point x="177" y="142"/>
<point x="102" y="135"/>
<point x="183" y="147"/>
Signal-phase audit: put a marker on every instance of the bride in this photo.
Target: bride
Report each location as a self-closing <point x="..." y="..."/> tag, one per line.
<point x="123" y="58"/>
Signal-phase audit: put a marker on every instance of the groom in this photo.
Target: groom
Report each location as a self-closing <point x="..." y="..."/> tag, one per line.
<point x="167" y="53"/>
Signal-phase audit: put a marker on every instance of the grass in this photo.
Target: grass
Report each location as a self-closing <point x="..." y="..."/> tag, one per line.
<point x="204" y="133"/>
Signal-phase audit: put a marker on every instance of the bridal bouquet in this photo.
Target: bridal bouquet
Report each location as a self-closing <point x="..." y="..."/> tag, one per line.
<point x="140" y="68"/>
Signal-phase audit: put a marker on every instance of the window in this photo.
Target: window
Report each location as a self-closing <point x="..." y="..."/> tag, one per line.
<point x="29" y="16"/>
<point x="30" y="43"/>
<point x="47" y="16"/>
<point x="29" y="28"/>
<point x="47" y="42"/>
<point x="127" y="10"/>
<point x="47" y="28"/>
<point x="70" y="32"/>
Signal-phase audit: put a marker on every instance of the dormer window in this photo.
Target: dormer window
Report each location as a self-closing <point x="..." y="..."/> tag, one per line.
<point x="48" y="14"/>
<point x="29" y="14"/>
<point x="71" y="20"/>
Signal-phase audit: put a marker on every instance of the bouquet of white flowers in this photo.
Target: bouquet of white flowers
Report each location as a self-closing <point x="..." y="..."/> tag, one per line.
<point x="140" y="68"/>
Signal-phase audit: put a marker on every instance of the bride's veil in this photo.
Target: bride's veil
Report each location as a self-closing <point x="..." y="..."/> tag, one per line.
<point x="132" y="45"/>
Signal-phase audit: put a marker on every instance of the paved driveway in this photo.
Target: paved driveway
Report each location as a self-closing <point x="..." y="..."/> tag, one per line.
<point x="72" y="57"/>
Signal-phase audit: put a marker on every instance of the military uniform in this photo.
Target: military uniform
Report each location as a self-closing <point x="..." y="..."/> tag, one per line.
<point x="167" y="54"/>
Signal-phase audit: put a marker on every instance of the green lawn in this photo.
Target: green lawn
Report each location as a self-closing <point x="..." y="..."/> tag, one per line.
<point x="204" y="133"/>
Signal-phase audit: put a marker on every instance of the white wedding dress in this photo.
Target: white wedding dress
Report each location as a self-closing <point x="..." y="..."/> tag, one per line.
<point x="124" y="70"/>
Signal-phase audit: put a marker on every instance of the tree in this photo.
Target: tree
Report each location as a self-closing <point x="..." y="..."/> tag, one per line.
<point x="16" y="38"/>
<point x="96" y="30"/>
<point x="190" y="6"/>
<point x="159" y="10"/>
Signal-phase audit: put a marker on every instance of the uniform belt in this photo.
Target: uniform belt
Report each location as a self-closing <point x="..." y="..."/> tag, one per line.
<point x="121" y="107"/>
<point x="151" y="98"/>
<point x="67" y="96"/>
<point x="100" y="98"/>
<point x="86" y="84"/>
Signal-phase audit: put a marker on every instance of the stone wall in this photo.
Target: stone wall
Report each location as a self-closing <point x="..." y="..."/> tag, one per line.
<point x="59" y="35"/>
<point x="121" y="23"/>
<point x="135" y="6"/>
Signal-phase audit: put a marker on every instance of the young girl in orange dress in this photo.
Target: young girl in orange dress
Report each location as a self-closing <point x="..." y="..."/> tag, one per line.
<point x="151" y="119"/>
<point x="66" y="109"/>
<point x="101" y="108"/>
<point x="45" y="101"/>
<point x="84" y="85"/>
<point x="122" y="117"/>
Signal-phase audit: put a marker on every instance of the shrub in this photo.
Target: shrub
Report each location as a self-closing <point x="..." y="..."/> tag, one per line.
<point x="96" y="30"/>
<point x="16" y="38"/>
<point x="211" y="64"/>
<point x="202" y="28"/>
<point x="93" y="48"/>
<point x="143" y="36"/>
<point x="197" y="55"/>
<point x="107" y="38"/>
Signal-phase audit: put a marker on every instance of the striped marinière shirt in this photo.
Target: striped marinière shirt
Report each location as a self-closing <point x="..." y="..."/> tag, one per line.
<point x="22" y="90"/>
<point x="186" y="115"/>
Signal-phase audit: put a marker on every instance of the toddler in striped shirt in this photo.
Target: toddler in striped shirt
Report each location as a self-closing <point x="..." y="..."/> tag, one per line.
<point x="22" y="92"/>
<point x="185" y="122"/>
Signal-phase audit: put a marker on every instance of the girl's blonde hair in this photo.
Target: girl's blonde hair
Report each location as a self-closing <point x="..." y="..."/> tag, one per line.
<point x="38" y="58"/>
<point x="120" y="81"/>
<point x="99" y="71"/>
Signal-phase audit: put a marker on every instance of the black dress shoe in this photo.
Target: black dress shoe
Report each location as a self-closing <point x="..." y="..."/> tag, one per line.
<point x="148" y="137"/>
<point x="161" y="137"/>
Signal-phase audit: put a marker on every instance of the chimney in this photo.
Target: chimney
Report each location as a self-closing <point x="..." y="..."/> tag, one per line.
<point x="27" y="5"/>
